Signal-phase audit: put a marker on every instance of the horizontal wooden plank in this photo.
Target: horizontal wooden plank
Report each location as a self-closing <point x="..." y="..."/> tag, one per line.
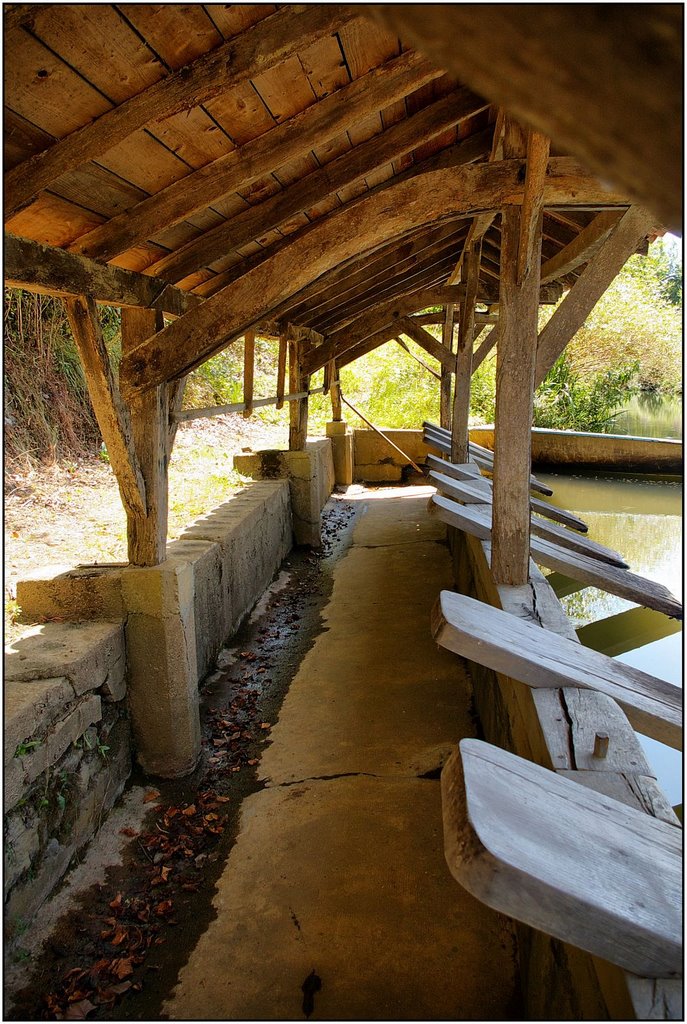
<point x="523" y="650"/>
<point x="42" y="268"/>
<point x="481" y="492"/>
<point x="564" y="859"/>
<point x="621" y="582"/>
<point x="467" y="471"/>
<point x="438" y="440"/>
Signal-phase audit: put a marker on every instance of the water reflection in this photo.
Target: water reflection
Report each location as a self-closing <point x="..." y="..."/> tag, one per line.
<point x="650" y="415"/>
<point x="642" y="519"/>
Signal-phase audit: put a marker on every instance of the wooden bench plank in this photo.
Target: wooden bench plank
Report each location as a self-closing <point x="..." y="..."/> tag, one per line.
<point x="564" y="859"/>
<point x="438" y="441"/>
<point x="470" y="493"/>
<point x="540" y="658"/>
<point x="620" y="582"/>
<point x="471" y="472"/>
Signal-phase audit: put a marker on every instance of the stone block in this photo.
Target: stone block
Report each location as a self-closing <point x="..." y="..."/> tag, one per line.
<point x="22" y="844"/>
<point x="82" y="652"/>
<point x="370" y="448"/>
<point x="31" y="707"/>
<point x="342" y="452"/>
<point x="379" y="472"/>
<point x="71" y="592"/>
<point x="114" y="686"/>
<point x="212" y="604"/>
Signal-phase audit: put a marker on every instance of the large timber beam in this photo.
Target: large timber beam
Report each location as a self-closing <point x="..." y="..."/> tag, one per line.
<point x="605" y="82"/>
<point x="267" y="44"/>
<point x="581" y="249"/>
<point x="399" y="140"/>
<point x="290" y="140"/>
<point x="426" y="341"/>
<point x="600" y="271"/>
<point x="408" y="206"/>
<point x="463" y="358"/>
<point x="44" y="269"/>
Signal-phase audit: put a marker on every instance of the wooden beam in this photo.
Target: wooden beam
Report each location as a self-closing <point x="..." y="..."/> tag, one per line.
<point x="353" y="166"/>
<point x="463" y="360"/>
<point x="417" y="359"/>
<point x="149" y="414"/>
<point x="290" y="140"/>
<point x="248" y="372"/>
<point x="538" y="146"/>
<point x="445" y="377"/>
<point x="401" y="208"/>
<point x="47" y="270"/>
<point x="335" y="392"/>
<point x="600" y="271"/>
<point x="581" y="249"/>
<point x="425" y="340"/>
<point x="486" y="347"/>
<point x="281" y="367"/>
<point x="605" y="83"/>
<point x="298" y="340"/>
<point x="110" y="411"/>
<point x="263" y="46"/>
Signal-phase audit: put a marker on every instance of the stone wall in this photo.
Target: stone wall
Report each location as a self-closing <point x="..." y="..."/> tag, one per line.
<point x="375" y="461"/>
<point x="67" y="752"/>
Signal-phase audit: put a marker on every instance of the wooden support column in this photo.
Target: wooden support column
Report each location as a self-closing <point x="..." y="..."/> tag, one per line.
<point x="281" y="368"/>
<point x="149" y="413"/>
<point x="335" y="392"/>
<point x="298" y="381"/>
<point x="515" y="359"/>
<point x="466" y="336"/>
<point x="445" y="385"/>
<point x="248" y="372"/>
<point x="110" y="412"/>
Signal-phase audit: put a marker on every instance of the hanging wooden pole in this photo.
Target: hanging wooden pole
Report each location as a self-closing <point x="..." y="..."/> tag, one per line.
<point x="147" y="534"/>
<point x="515" y="362"/>
<point x="445" y="377"/>
<point x="248" y="372"/>
<point x="466" y="335"/>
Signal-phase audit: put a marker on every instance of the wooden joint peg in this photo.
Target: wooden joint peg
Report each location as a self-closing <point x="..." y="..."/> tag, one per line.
<point x="601" y="744"/>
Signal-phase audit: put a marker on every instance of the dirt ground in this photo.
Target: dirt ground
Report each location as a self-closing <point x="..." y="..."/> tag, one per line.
<point x="70" y="512"/>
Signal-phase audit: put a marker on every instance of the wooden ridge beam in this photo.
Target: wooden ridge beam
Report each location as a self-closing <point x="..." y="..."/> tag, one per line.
<point x="449" y="192"/>
<point x="263" y="46"/>
<point x="290" y="140"/>
<point x="604" y="82"/>
<point x="47" y="270"/>
<point x="353" y="166"/>
<point x="581" y="249"/>
<point x="600" y="271"/>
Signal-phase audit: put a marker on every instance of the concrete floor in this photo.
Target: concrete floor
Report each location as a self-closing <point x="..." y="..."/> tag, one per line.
<point x="339" y="864"/>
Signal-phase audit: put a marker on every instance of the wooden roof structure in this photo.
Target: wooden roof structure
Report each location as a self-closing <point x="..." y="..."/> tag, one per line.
<point x="244" y="167"/>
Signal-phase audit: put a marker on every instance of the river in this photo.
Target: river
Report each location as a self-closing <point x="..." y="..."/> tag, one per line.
<point x="642" y="519"/>
<point x="650" y="415"/>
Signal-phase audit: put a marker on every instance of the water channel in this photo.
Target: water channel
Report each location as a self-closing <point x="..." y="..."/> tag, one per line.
<point x="642" y="519"/>
<point x="650" y="415"/>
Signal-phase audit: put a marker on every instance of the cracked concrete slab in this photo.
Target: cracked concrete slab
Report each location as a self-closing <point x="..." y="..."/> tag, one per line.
<point x="338" y="866"/>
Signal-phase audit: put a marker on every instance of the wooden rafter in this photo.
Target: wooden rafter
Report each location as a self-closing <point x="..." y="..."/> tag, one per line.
<point x="581" y="249"/>
<point x="45" y="269"/>
<point x="400" y="208"/>
<point x="270" y="42"/>
<point x="426" y="341"/>
<point x="307" y="192"/>
<point x="291" y="140"/>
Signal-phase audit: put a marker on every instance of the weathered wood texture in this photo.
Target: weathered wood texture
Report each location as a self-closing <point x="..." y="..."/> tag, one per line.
<point x="581" y="249"/>
<point x="147" y="534"/>
<point x="540" y="658"/>
<point x="463" y="362"/>
<point x="241" y="168"/>
<point x="600" y="271"/>
<point x="470" y="472"/>
<point x="248" y="372"/>
<point x="426" y="341"/>
<point x="110" y="412"/>
<point x="43" y="268"/>
<point x="603" y="83"/>
<point x="391" y="212"/>
<point x="417" y="359"/>
<point x="281" y="367"/>
<point x="298" y="340"/>
<point x="602" y="876"/>
<point x="479" y="492"/>
<point x="270" y="42"/>
<point x="445" y="385"/>
<point x="477" y="521"/>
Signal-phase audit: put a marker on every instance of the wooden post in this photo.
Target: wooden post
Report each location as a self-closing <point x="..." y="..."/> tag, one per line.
<point x="335" y="393"/>
<point x="298" y="381"/>
<point x="147" y="533"/>
<point x="515" y="361"/>
<point x="248" y="372"/>
<point x="281" y="368"/>
<point x="445" y="385"/>
<point x="466" y="335"/>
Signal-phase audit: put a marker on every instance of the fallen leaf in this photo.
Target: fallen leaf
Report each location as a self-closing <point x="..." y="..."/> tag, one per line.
<point x="116" y="902"/>
<point x="223" y="799"/>
<point x="123" y="967"/>
<point x="130" y="832"/>
<point x="150" y="796"/>
<point x="188" y="811"/>
<point x="79" y="1011"/>
<point x="265" y="725"/>
<point x="163" y="908"/>
<point x="165" y="872"/>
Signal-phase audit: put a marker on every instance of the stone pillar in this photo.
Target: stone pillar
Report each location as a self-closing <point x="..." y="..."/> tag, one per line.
<point x="342" y="451"/>
<point x="163" y="674"/>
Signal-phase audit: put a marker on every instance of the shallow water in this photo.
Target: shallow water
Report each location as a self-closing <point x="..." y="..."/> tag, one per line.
<point x="642" y="519"/>
<point x="649" y="415"/>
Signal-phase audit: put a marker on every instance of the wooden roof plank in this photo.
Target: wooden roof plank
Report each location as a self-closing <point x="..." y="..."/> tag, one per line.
<point x="255" y="159"/>
<point x="268" y="43"/>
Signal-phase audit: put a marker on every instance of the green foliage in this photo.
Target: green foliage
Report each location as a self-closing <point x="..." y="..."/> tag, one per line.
<point x="483" y="391"/>
<point x="27" y="747"/>
<point x="391" y="388"/>
<point x="568" y="401"/>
